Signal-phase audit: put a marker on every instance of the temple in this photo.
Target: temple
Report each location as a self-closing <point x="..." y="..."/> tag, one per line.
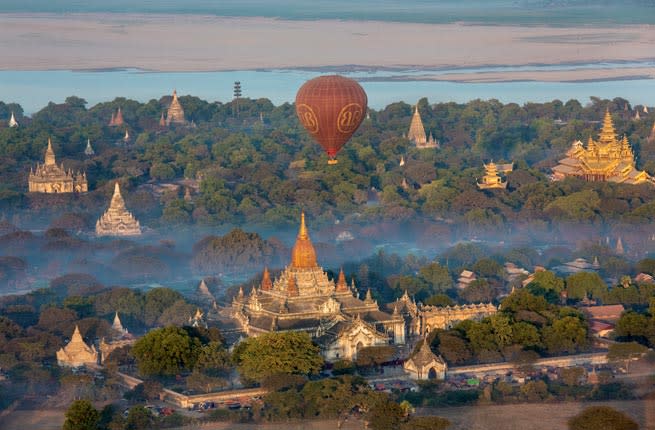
<point x="416" y="133"/>
<point x="175" y="114"/>
<point x="424" y="364"/>
<point x="491" y="178"/>
<point x="303" y="298"/>
<point x="607" y="159"/>
<point x="117" y="119"/>
<point x="89" y="149"/>
<point x="651" y="136"/>
<point x="77" y="353"/>
<point x="117" y="220"/>
<point x="12" y="121"/>
<point x="119" y="338"/>
<point x="50" y="178"/>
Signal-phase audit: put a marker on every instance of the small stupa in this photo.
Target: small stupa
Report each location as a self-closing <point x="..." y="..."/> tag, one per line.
<point x="651" y="137"/>
<point x="162" y="120"/>
<point x="402" y="161"/>
<point x="203" y="292"/>
<point x="117" y="326"/>
<point x="12" y="121"/>
<point x="77" y="353"/>
<point x="89" y="149"/>
<point x="619" y="247"/>
<point x="117" y="119"/>
<point x="175" y="113"/>
<point x="117" y="220"/>
<point x="637" y="116"/>
<point x="126" y="138"/>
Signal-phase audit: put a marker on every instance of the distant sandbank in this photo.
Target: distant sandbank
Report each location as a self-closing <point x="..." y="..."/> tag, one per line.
<point x="208" y="43"/>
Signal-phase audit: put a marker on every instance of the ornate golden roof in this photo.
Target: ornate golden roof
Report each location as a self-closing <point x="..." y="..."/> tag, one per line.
<point x="607" y="133"/>
<point x="175" y="111"/>
<point x="303" y="255"/>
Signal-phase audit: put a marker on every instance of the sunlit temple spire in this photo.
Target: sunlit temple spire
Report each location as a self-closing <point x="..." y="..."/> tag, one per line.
<point x="175" y="113"/>
<point x="303" y="254"/>
<point x="12" y="121"/>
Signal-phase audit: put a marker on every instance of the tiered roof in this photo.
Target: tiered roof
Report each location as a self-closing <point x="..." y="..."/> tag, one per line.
<point x="117" y="220"/>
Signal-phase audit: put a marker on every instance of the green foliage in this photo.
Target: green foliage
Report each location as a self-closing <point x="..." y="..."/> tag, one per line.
<point x="585" y="284"/>
<point x="275" y="353"/>
<point x="602" y="417"/>
<point x="166" y="351"/>
<point x="81" y="415"/>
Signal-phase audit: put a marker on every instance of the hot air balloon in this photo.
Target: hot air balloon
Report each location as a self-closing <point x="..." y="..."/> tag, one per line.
<point x="331" y="108"/>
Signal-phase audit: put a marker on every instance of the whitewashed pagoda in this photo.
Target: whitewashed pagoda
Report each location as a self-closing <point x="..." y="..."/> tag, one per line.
<point x="117" y="220"/>
<point x="12" y="121"/>
<point x="89" y="149"/>
<point x="416" y="133"/>
<point x="175" y="114"/>
<point x="77" y="353"/>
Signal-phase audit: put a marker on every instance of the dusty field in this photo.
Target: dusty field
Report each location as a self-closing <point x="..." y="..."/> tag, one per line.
<point x="551" y="416"/>
<point x="204" y="43"/>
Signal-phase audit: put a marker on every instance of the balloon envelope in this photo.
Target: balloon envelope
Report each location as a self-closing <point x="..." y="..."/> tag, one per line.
<point x="331" y="108"/>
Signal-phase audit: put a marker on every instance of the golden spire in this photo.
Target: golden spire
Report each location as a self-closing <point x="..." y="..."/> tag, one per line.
<point x="267" y="285"/>
<point x="303" y="255"/>
<point x="416" y="131"/>
<point x="117" y="201"/>
<point x="342" y="286"/>
<point x="50" y="155"/>
<point x="607" y="133"/>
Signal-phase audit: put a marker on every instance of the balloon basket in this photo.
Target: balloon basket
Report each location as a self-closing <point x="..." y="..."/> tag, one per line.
<point x="332" y="161"/>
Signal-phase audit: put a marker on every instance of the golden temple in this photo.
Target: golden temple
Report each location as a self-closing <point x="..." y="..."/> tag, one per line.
<point x="175" y="114"/>
<point x="607" y="159"/>
<point x="491" y="179"/>
<point x="117" y="220"/>
<point x="416" y="133"/>
<point x="50" y="178"/>
<point x="303" y="298"/>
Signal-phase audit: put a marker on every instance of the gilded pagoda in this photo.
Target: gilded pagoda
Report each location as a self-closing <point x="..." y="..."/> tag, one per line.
<point x="175" y="114"/>
<point x="303" y="298"/>
<point x="50" y="178"/>
<point x="416" y="133"/>
<point x="491" y="179"/>
<point x="607" y="159"/>
<point x="117" y="220"/>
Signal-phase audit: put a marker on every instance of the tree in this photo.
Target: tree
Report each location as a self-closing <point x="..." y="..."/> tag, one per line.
<point x="166" y="351"/>
<point x="385" y="415"/>
<point x="568" y="334"/>
<point x="273" y="353"/>
<point x="205" y="383"/>
<point x="81" y="415"/>
<point x="625" y="352"/>
<point x="583" y="284"/>
<point x="602" y="417"/>
<point x="437" y="277"/>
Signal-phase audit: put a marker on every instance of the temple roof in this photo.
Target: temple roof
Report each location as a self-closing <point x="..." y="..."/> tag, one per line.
<point x="425" y="356"/>
<point x="303" y="255"/>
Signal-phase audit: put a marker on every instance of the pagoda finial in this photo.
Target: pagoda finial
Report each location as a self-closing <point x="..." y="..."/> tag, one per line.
<point x="302" y="233"/>
<point x="50" y="155"/>
<point x="267" y="284"/>
<point x="303" y="254"/>
<point x="342" y="286"/>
